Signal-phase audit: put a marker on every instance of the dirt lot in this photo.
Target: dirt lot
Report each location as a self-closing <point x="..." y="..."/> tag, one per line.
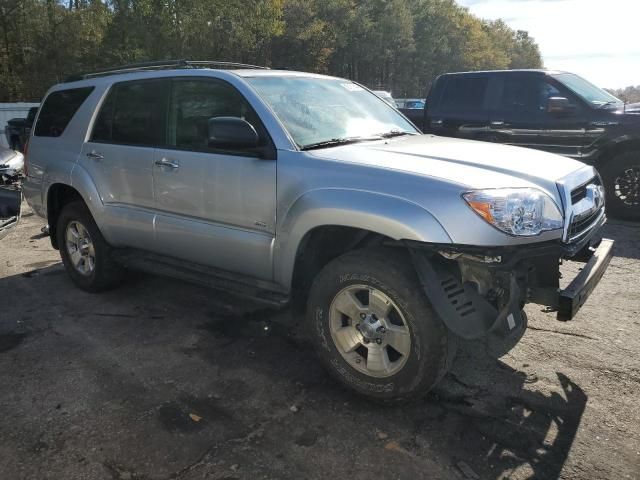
<point x="164" y="380"/>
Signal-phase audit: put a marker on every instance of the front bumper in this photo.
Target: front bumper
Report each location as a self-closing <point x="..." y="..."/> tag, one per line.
<point x="461" y="281"/>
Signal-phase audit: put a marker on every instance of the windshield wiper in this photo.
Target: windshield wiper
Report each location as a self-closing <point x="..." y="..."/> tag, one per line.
<point x="610" y="102"/>
<point x="336" y="142"/>
<point x="395" y="133"/>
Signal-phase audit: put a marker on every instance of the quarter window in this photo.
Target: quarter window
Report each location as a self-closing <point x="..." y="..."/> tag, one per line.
<point x="58" y="110"/>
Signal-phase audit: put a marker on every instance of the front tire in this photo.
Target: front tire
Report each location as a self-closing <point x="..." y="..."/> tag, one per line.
<point x="374" y="328"/>
<point x="622" y="184"/>
<point x="84" y="251"/>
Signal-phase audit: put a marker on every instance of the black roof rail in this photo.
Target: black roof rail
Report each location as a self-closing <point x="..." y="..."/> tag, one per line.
<point x="159" y="65"/>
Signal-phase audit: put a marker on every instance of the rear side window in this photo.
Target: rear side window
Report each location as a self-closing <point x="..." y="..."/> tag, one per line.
<point x="133" y="114"/>
<point x="464" y="94"/>
<point x="58" y="110"/>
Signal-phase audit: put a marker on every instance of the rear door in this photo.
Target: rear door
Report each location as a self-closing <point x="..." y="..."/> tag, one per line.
<point x="215" y="207"/>
<point x="120" y="153"/>
<point x="459" y="106"/>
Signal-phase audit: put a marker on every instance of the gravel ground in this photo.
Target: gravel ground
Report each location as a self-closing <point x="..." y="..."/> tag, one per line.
<point x="164" y="380"/>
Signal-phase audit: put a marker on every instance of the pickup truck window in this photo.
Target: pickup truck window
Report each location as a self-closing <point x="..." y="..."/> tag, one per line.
<point x="133" y="114"/>
<point x="586" y="90"/>
<point x="464" y="94"/>
<point x="58" y="110"/>
<point x="526" y="94"/>
<point x="328" y="111"/>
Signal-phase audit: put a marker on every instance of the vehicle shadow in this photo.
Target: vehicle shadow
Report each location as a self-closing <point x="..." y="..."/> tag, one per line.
<point x="487" y="419"/>
<point x="511" y="428"/>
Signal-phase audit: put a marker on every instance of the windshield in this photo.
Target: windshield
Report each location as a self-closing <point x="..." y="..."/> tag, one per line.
<point x="319" y="110"/>
<point x="586" y="90"/>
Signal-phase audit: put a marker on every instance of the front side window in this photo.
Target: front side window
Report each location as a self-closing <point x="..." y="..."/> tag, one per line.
<point x="527" y="94"/>
<point x="133" y="114"/>
<point x="58" y="110"/>
<point x="194" y="102"/>
<point x="316" y="111"/>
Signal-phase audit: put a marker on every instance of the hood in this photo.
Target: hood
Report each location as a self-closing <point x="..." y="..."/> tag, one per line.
<point x="470" y="164"/>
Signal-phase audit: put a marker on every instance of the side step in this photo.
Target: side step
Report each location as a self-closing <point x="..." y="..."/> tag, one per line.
<point x="259" y="290"/>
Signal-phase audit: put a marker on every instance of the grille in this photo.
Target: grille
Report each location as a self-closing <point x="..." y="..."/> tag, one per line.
<point x="587" y="209"/>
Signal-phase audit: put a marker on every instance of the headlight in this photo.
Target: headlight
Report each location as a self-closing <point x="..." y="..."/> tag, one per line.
<point x="516" y="211"/>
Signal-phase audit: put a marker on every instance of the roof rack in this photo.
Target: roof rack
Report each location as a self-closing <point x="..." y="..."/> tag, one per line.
<point x="159" y="65"/>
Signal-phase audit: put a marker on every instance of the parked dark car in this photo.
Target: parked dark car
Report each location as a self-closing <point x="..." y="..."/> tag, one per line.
<point x="18" y="130"/>
<point x="548" y="110"/>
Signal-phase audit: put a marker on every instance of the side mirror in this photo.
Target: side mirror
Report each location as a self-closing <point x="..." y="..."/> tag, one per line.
<point x="559" y="105"/>
<point x="232" y="132"/>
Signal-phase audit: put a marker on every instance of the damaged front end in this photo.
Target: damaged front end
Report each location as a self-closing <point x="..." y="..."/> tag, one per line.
<point x="480" y="291"/>
<point x="10" y="200"/>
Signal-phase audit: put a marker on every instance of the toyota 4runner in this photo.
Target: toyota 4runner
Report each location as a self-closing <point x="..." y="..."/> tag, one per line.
<point x="310" y="191"/>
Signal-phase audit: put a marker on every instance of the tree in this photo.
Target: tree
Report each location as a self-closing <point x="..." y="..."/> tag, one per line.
<point x="398" y="45"/>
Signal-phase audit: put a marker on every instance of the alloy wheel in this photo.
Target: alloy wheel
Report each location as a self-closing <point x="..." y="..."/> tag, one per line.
<point x="627" y="186"/>
<point x="369" y="331"/>
<point x="80" y="248"/>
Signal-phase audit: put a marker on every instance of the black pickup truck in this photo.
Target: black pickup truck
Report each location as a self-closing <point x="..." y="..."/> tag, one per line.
<point x="554" y="111"/>
<point x="18" y="130"/>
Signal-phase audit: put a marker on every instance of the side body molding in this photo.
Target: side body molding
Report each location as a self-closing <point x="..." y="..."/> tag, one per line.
<point x="388" y="215"/>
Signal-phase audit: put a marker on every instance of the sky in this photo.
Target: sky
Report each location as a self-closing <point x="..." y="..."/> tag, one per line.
<point x="596" y="39"/>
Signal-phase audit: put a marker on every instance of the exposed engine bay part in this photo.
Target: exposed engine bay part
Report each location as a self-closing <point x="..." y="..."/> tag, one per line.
<point x="471" y="301"/>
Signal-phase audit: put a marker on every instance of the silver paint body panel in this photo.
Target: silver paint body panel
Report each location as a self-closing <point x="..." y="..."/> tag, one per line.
<point x="249" y="215"/>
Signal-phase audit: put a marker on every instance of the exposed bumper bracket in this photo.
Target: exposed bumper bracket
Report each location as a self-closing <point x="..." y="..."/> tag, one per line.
<point x="575" y="295"/>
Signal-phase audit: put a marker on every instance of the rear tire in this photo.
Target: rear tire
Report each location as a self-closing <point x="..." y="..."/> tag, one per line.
<point x="84" y="251"/>
<point x="414" y="350"/>
<point x="621" y="177"/>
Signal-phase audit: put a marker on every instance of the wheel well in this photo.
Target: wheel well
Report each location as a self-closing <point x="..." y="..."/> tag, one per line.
<point x="321" y="245"/>
<point x="615" y="150"/>
<point x="58" y="196"/>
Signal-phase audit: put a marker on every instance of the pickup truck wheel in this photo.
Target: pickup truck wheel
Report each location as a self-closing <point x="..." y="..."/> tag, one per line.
<point x="622" y="183"/>
<point x="84" y="252"/>
<point x="374" y="328"/>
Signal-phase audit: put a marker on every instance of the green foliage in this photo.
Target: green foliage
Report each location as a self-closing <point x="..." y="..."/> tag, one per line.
<point x="398" y="45"/>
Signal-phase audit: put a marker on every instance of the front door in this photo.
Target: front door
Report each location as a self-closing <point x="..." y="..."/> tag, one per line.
<point x="521" y="115"/>
<point x="215" y="207"/>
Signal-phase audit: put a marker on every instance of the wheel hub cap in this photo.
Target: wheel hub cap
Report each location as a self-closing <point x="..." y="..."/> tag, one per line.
<point x="80" y="248"/>
<point x="369" y="331"/>
<point x="627" y="186"/>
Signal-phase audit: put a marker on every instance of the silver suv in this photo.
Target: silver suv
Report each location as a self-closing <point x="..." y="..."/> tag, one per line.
<point x="310" y="191"/>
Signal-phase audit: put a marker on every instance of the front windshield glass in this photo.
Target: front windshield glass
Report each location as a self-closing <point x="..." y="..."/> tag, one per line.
<point x="586" y="90"/>
<point x="318" y="110"/>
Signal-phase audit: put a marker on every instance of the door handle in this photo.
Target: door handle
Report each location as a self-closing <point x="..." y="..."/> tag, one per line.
<point x="167" y="163"/>
<point x="95" y="155"/>
<point x="436" y="123"/>
<point x="498" y="123"/>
